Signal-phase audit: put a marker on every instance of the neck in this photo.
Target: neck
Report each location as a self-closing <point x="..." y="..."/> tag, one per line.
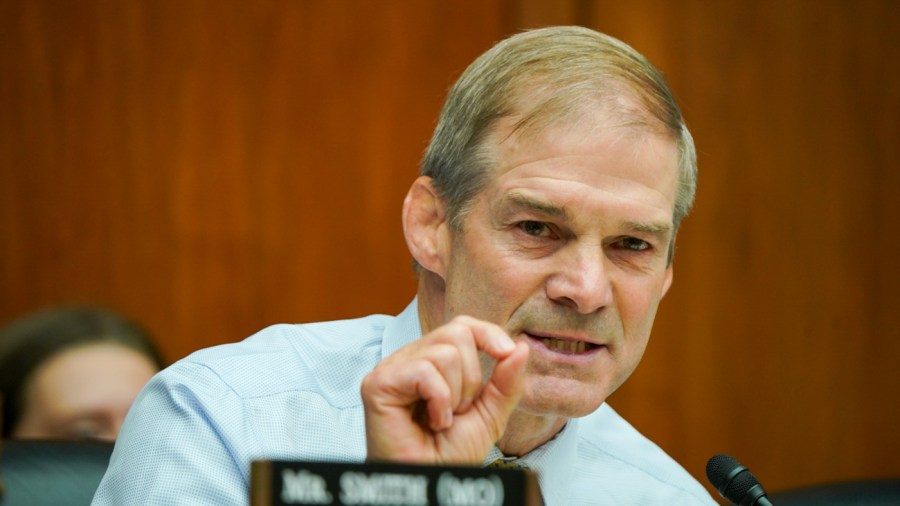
<point x="430" y="296"/>
<point x="526" y="431"/>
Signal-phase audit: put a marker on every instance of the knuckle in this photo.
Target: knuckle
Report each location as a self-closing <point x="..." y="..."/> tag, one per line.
<point x="452" y="333"/>
<point x="466" y="322"/>
<point x="445" y="355"/>
<point x="370" y="383"/>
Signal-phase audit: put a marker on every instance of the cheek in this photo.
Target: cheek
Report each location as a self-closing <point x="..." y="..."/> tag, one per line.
<point x="488" y="283"/>
<point x="637" y="314"/>
<point x="637" y="304"/>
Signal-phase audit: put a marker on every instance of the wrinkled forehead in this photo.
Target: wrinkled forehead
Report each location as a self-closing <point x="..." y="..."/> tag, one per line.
<point x="566" y="130"/>
<point x="595" y="150"/>
<point x="539" y="105"/>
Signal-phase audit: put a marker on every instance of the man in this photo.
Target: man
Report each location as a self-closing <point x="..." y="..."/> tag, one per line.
<point x="543" y="229"/>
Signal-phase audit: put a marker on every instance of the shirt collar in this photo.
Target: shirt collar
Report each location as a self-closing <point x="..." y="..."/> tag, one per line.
<point x="552" y="462"/>
<point x="402" y="330"/>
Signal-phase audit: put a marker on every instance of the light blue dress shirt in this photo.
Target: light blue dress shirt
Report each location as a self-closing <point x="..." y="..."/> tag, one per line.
<point x="292" y="392"/>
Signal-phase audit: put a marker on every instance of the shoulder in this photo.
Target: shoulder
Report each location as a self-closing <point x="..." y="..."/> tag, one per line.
<point x="290" y="391"/>
<point x="609" y="446"/>
<point x="327" y="358"/>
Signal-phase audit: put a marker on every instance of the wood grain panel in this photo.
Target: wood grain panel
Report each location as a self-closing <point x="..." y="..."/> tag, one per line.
<point x="212" y="168"/>
<point x="215" y="167"/>
<point x="778" y="341"/>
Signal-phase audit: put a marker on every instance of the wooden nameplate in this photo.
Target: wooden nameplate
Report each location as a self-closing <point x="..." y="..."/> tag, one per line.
<point x="282" y="483"/>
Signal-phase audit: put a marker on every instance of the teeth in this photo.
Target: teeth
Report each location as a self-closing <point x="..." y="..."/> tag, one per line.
<point x="564" y="346"/>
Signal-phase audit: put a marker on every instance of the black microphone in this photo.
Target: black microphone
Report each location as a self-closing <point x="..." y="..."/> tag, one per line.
<point x="735" y="482"/>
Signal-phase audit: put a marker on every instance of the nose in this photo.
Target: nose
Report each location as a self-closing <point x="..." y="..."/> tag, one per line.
<point x="581" y="280"/>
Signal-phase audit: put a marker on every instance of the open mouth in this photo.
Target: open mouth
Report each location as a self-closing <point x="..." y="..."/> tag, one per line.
<point x="565" y="346"/>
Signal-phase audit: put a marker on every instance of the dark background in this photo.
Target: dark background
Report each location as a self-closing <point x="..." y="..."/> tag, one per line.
<point x="213" y="167"/>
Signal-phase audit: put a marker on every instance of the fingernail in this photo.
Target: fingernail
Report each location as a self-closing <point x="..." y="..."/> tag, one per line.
<point x="448" y="418"/>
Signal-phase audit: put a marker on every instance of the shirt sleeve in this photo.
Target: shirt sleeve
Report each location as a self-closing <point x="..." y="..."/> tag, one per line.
<point x="173" y="447"/>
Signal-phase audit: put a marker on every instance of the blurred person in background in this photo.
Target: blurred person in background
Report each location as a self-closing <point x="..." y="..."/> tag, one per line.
<point x="72" y="373"/>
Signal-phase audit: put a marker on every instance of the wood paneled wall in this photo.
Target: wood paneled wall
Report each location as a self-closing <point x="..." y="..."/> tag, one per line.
<point x="779" y="341"/>
<point x="214" y="167"/>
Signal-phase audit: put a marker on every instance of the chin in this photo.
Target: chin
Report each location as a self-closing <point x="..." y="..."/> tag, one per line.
<point x="574" y="404"/>
<point x="557" y="409"/>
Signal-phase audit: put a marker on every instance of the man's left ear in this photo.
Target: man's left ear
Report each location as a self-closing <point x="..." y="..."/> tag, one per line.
<point x="425" y="226"/>
<point x="667" y="282"/>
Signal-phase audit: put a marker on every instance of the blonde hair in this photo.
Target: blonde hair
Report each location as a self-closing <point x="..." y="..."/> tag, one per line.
<point x="545" y="76"/>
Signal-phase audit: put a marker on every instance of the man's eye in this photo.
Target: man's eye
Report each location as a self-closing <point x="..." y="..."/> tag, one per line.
<point x="534" y="228"/>
<point x="635" y="244"/>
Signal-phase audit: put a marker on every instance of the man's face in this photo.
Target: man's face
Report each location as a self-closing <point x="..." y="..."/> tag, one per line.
<point x="566" y="248"/>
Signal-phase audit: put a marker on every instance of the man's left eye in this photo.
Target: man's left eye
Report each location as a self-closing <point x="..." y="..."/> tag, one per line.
<point x="635" y="244"/>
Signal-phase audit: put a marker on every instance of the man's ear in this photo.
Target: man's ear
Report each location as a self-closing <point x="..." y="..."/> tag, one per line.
<point x="425" y="226"/>
<point x="667" y="281"/>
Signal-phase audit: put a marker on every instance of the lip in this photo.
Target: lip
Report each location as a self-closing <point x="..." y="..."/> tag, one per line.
<point x="571" y="336"/>
<point x="536" y="339"/>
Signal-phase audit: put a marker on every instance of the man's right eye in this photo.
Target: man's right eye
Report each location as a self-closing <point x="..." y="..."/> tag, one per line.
<point x="534" y="228"/>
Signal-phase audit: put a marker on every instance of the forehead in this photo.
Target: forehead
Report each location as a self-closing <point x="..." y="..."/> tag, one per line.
<point x="83" y="370"/>
<point x="595" y="152"/>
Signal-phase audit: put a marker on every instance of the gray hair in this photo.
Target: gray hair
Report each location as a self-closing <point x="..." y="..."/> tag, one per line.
<point x="545" y="76"/>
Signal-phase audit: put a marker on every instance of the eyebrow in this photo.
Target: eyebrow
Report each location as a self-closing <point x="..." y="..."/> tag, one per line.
<point x="521" y="200"/>
<point x="659" y="229"/>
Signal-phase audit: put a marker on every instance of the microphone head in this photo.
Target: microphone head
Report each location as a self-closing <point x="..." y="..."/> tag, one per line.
<point x="733" y="481"/>
<point x="719" y="469"/>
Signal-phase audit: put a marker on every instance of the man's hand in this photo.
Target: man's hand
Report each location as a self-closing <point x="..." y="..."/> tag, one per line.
<point x="426" y="404"/>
